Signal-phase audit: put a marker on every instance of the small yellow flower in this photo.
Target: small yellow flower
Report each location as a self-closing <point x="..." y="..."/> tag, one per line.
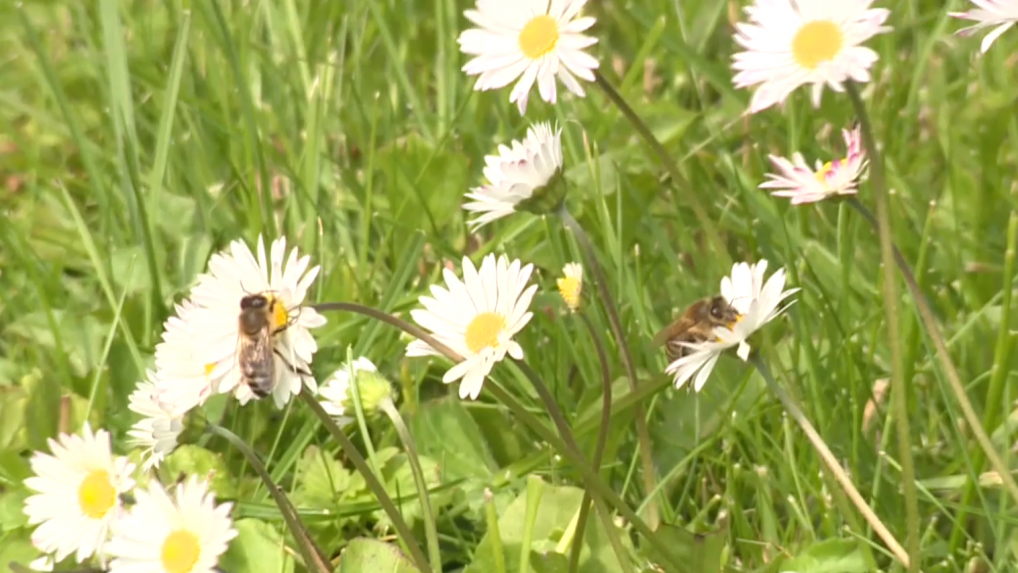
<point x="570" y="286"/>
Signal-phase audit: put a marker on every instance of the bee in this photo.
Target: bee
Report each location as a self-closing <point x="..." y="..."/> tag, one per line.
<point x="696" y="325"/>
<point x="256" y="353"/>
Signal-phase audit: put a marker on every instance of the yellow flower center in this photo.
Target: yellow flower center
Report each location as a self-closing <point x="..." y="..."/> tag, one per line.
<point x="96" y="495"/>
<point x="209" y="368"/>
<point x="821" y="174"/>
<point x="816" y="42"/>
<point x="569" y="288"/>
<point x="280" y="318"/>
<point x="483" y="331"/>
<point x="539" y="36"/>
<point x="180" y="551"/>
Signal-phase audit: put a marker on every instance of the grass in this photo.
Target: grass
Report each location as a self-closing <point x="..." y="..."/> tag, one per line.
<point x="141" y="137"/>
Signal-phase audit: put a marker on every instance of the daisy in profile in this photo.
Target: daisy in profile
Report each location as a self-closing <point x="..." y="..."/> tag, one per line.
<point x="182" y="378"/>
<point x="78" y="494"/>
<point x="997" y="14"/>
<point x="570" y="285"/>
<point x="477" y="318"/>
<point x="757" y="302"/>
<point x="791" y="43"/>
<point x="801" y="184"/>
<point x="185" y="533"/>
<point x="516" y="174"/>
<point x="335" y="395"/>
<point x="535" y="41"/>
<point x="156" y="433"/>
<point x="280" y="283"/>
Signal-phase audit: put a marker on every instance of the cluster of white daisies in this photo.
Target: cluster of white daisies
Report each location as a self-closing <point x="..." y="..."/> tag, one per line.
<point x="79" y="486"/>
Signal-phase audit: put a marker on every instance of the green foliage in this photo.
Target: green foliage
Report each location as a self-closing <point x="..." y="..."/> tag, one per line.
<point x="141" y="137"/>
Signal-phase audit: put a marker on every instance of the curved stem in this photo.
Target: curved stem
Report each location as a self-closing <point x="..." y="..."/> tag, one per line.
<point x="372" y="482"/>
<point x="899" y="390"/>
<point x="666" y="159"/>
<point x="953" y="379"/>
<point x="570" y="441"/>
<point x="830" y="461"/>
<point x="590" y="477"/>
<point x="601" y="282"/>
<point x="427" y="515"/>
<point x="602" y="439"/>
<point x="309" y="551"/>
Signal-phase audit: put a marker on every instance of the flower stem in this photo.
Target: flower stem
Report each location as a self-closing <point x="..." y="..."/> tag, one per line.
<point x="602" y="438"/>
<point x="313" y="557"/>
<point x="666" y="159"/>
<point x="899" y="390"/>
<point x="830" y="461"/>
<point x="370" y="479"/>
<point x="590" y="477"/>
<point x="567" y="436"/>
<point x="954" y="380"/>
<point x="422" y="486"/>
<point x="601" y="282"/>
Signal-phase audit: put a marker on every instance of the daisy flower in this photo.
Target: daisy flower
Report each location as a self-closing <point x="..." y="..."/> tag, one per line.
<point x="797" y="181"/>
<point x="182" y="377"/>
<point x="533" y="40"/>
<point x="757" y="303"/>
<point x="78" y="497"/>
<point x="791" y="43"/>
<point x="516" y="173"/>
<point x="570" y="286"/>
<point x="284" y="280"/>
<point x="989" y="13"/>
<point x="185" y="533"/>
<point x="156" y="433"/>
<point x="477" y="318"/>
<point x="371" y="386"/>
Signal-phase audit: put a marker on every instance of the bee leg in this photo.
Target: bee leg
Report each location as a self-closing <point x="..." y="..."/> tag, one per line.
<point x="291" y="367"/>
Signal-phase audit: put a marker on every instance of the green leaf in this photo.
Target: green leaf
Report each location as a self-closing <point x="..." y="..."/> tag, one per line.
<point x="12" y="515"/>
<point x="830" y="556"/>
<point x="257" y="547"/>
<point x="322" y="480"/>
<point x="556" y="511"/>
<point x="446" y="433"/>
<point x="364" y="555"/>
<point x="193" y="460"/>
<point x="12" y="416"/>
<point x="16" y="547"/>
<point x="701" y="552"/>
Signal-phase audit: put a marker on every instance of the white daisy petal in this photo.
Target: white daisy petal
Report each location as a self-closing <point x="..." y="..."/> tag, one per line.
<point x="791" y="43"/>
<point x="162" y="533"/>
<point x="156" y="433"/>
<point x="534" y="41"/>
<point x="478" y="319"/>
<point x="1000" y="15"/>
<point x="78" y="494"/>
<point x="796" y="181"/>
<point x="515" y="174"/>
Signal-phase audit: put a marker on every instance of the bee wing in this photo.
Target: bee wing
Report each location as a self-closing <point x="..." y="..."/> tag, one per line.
<point x="683" y="324"/>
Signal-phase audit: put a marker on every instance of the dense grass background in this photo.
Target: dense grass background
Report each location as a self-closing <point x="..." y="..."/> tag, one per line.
<point x="139" y="137"/>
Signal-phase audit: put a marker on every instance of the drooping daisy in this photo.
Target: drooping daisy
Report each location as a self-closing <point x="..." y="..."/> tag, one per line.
<point x="516" y="173"/>
<point x="477" y="318"/>
<point x="78" y="497"/>
<point x="989" y="13"/>
<point x="284" y="281"/>
<point x="156" y="433"/>
<point x="335" y="392"/>
<point x="757" y="302"/>
<point x="804" y="185"/>
<point x="533" y="40"/>
<point x="185" y="533"/>
<point x="182" y="376"/>
<point x="570" y="286"/>
<point x="791" y="43"/>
